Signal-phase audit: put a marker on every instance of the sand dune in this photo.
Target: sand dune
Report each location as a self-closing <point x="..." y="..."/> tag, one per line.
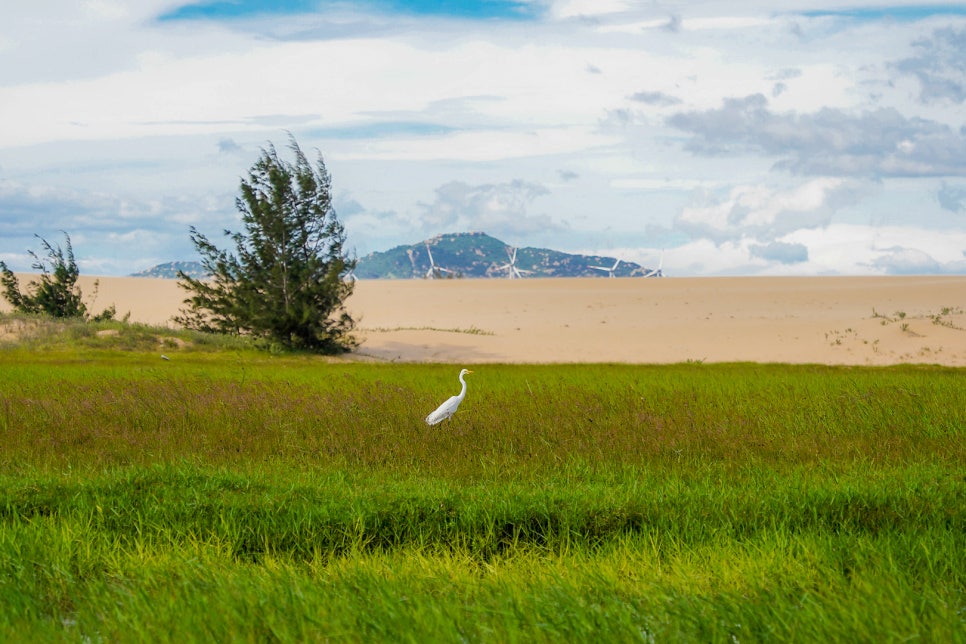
<point x="830" y="320"/>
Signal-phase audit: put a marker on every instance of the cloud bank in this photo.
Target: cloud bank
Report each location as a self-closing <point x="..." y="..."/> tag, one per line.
<point x="750" y="139"/>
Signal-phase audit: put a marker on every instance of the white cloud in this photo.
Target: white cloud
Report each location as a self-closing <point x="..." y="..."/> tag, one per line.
<point x="477" y="146"/>
<point x="168" y="96"/>
<point x="729" y="22"/>
<point x="763" y="213"/>
<point x="875" y="143"/>
<point x="501" y="209"/>
<point x="854" y="249"/>
<point x="939" y="65"/>
<point x="106" y="9"/>
<point x="563" y="9"/>
<point x="839" y="249"/>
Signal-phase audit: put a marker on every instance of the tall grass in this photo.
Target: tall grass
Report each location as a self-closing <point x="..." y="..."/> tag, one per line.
<point x="184" y="552"/>
<point x="238" y="496"/>
<point x="516" y="422"/>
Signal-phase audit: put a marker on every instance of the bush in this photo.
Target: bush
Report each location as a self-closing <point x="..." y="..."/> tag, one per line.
<point x="57" y="293"/>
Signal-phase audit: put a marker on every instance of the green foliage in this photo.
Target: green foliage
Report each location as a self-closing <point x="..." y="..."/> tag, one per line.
<point x="241" y="496"/>
<point x="57" y="293"/>
<point x="286" y="281"/>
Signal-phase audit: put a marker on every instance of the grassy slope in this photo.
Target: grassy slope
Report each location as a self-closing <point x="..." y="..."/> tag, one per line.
<point x="240" y="496"/>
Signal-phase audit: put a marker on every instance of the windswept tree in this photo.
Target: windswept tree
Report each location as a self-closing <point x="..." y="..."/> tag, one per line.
<point x="57" y="293"/>
<point x="286" y="280"/>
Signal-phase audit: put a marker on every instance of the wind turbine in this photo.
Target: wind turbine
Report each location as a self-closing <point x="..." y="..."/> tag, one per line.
<point x="512" y="272"/>
<point x="610" y="271"/>
<point x="657" y="272"/>
<point x="434" y="270"/>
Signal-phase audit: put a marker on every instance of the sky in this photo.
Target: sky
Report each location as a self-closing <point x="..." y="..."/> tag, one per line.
<point x="779" y="137"/>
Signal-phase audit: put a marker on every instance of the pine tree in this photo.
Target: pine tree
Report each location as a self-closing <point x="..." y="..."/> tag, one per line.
<point x="286" y="281"/>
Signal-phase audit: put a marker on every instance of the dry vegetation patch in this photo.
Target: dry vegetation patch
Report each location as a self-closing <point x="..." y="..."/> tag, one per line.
<point x="41" y="332"/>
<point x="901" y="336"/>
<point x="14" y="329"/>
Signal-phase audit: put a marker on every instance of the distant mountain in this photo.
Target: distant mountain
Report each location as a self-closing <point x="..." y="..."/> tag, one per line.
<point x="479" y="255"/>
<point x="458" y="255"/>
<point x="170" y="270"/>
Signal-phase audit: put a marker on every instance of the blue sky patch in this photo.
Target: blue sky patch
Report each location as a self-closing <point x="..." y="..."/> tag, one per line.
<point x="481" y="9"/>
<point x="906" y="13"/>
<point x="227" y="9"/>
<point x="233" y="9"/>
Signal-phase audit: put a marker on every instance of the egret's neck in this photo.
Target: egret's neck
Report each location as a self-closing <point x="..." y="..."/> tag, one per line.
<point x="463" y="390"/>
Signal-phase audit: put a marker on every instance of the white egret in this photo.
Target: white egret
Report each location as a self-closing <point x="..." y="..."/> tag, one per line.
<point x="448" y="408"/>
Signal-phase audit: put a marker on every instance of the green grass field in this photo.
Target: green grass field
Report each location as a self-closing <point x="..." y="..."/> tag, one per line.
<point x="231" y="495"/>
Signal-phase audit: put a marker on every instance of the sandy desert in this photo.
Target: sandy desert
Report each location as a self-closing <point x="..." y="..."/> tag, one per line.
<point x="827" y="320"/>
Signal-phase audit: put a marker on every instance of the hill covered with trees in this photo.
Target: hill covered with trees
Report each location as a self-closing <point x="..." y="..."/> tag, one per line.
<point x="461" y="255"/>
<point x="480" y="255"/>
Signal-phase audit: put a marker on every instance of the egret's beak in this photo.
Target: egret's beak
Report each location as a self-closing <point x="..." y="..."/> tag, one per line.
<point x="468" y="371"/>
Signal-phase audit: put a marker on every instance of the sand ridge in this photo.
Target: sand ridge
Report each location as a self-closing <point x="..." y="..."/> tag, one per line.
<point x="828" y="320"/>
